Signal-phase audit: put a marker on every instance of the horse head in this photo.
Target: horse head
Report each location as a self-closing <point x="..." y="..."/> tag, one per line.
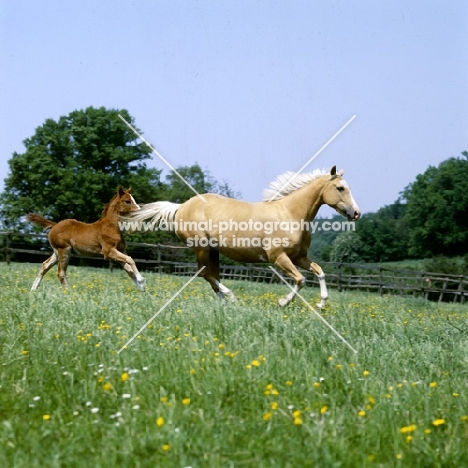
<point x="337" y="194"/>
<point x="125" y="203"/>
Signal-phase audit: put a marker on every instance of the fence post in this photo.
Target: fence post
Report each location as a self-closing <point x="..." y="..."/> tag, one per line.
<point x="461" y="289"/>
<point x="158" y="250"/>
<point x="444" y="287"/>
<point x="7" y="248"/>
<point x="338" y="277"/>
<point x="380" y="281"/>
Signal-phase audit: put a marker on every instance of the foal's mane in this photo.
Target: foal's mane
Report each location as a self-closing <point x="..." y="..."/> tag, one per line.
<point x="107" y="205"/>
<point x="290" y="182"/>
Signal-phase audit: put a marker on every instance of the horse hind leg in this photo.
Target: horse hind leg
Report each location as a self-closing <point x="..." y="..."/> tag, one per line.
<point x="46" y="266"/>
<point x="209" y="259"/>
<point x="224" y="293"/>
<point x="64" y="256"/>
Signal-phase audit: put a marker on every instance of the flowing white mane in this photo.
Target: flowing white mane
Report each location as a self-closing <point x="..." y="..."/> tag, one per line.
<point x="290" y="182"/>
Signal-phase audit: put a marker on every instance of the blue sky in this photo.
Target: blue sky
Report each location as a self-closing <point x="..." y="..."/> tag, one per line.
<point x="250" y="89"/>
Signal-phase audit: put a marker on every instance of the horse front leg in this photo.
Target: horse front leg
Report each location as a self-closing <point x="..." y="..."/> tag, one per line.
<point x="46" y="266"/>
<point x="286" y="265"/>
<point x="311" y="266"/>
<point x="129" y="266"/>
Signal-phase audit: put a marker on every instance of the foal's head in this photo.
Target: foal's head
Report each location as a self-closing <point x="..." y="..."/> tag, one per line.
<point x="337" y="194"/>
<point x="123" y="202"/>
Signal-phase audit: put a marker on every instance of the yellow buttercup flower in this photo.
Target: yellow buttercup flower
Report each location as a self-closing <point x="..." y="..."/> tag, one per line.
<point x="160" y="421"/>
<point x="410" y="428"/>
<point x="124" y="376"/>
<point x="438" y="422"/>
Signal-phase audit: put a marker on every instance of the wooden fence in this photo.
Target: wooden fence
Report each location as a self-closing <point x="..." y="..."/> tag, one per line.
<point x="342" y="276"/>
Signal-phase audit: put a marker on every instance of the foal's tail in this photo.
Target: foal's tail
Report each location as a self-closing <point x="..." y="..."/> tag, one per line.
<point x="36" y="219"/>
<point x="162" y="211"/>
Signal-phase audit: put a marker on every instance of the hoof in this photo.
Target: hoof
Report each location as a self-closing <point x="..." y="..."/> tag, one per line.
<point x="321" y="304"/>
<point x="230" y="297"/>
<point x="283" y="302"/>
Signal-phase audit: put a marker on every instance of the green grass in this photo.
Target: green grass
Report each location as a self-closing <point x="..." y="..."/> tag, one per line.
<point x="243" y="385"/>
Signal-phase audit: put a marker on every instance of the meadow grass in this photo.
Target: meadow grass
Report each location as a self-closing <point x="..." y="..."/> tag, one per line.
<point x="213" y="385"/>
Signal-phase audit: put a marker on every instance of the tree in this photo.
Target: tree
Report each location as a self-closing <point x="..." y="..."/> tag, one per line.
<point x="437" y="207"/>
<point x="345" y="248"/>
<point x="322" y="240"/>
<point x="384" y="235"/>
<point x="201" y="180"/>
<point x="72" y="167"/>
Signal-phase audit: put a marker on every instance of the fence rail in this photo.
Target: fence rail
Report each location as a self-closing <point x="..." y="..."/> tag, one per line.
<point x="342" y="276"/>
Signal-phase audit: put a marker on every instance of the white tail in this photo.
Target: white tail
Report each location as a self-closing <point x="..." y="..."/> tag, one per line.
<point x="157" y="211"/>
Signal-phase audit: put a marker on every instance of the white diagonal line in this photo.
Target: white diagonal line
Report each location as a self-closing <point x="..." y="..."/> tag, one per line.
<point x="160" y="157"/>
<point x="313" y="157"/>
<point x="160" y="310"/>
<point x="313" y="310"/>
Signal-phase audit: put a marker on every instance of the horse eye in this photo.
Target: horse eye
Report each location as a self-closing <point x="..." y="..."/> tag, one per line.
<point x="340" y="188"/>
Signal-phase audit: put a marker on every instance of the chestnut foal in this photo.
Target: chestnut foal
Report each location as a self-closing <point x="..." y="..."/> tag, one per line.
<point x="101" y="238"/>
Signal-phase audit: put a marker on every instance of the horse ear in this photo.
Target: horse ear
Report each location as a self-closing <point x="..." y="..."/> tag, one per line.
<point x="341" y="172"/>
<point x="333" y="171"/>
<point x="120" y="190"/>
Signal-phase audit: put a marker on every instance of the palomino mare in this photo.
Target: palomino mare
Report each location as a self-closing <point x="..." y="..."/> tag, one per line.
<point x="275" y="230"/>
<point x="101" y="238"/>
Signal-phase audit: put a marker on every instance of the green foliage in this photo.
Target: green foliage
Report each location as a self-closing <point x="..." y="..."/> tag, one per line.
<point x="201" y="180"/>
<point x="322" y="241"/>
<point x="345" y="248"/>
<point x="72" y="167"/>
<point x="384" y="235"/>
<point x="437" y="206"/>
<point x="242" y="384"/>
<point x="451" y="266"/>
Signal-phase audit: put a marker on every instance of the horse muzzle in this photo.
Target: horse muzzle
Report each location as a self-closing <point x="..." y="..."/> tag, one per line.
<point x="354" y="216"/>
